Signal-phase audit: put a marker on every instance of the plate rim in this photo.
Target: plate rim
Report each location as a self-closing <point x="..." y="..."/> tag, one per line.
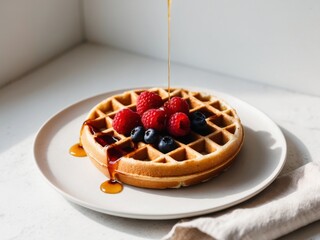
<point x="265" y="183"/>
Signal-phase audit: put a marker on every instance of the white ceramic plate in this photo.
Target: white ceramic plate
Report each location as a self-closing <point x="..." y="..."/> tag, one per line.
<point x="258" y="164"/>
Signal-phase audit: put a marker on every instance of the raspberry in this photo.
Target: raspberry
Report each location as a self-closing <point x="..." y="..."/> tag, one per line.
<point x="125" y="120"/>
<point x="154" y="118"/>
<point x="148" y="100"/>
<point x="178" y="124"/>
<point x="176" y="104"/>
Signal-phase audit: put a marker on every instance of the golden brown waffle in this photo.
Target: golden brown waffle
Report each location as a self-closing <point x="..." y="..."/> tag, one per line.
<point x="197" y="158"/>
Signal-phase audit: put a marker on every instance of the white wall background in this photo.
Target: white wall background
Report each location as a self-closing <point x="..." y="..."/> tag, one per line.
<point x="276" y="42"/>
<point x="33" y="31"/>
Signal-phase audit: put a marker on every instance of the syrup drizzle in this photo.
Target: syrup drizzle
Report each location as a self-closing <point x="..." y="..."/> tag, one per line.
<point x="113" y="155"/>
<point x="112" y="185"/>
<point x="169" y="46"/>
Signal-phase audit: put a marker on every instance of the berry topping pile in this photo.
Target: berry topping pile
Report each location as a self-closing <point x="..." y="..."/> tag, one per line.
<point x="157" y="122"/>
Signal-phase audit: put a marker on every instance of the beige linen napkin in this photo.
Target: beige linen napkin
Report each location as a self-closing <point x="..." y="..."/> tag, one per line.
<point x="290" y="202"/>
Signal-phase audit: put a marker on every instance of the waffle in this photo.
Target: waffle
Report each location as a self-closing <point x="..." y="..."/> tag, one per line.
<point x="197" y="158"/>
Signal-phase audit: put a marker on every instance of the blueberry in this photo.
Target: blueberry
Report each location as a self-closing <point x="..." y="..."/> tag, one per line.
<point x="166" y="144"/>
<point x="151" y="136"/>
<point x="137" y="134"/>
<point x="198" y="121"/>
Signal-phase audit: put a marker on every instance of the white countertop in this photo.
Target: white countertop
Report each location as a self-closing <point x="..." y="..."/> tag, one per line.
<point x="31" y="209"/>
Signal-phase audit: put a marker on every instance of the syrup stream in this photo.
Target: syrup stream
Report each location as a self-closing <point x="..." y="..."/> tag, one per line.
<point x="169" y="46"/>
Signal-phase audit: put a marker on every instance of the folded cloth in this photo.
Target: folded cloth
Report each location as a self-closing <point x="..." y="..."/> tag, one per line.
<point x="290" y="202"/>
